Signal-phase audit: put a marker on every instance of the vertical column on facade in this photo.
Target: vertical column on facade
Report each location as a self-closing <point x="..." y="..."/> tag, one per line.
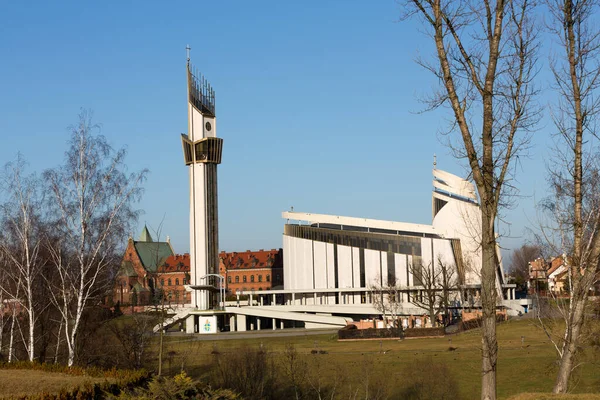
<point x="274" y="324"/>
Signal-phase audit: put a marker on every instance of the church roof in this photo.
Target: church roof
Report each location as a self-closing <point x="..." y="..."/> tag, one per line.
<point x="152" y="254"/>
<point x="145" y="235"/>
<point x="127" y="269"/>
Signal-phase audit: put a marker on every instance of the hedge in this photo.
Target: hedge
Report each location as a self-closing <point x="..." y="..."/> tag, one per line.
<point x="351" y="332"/>
<point x="423" y="332"/>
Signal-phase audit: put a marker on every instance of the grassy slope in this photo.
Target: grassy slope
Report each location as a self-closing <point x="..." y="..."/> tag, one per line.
<point x="21" y="382"/>
<point x="530" y="368"/>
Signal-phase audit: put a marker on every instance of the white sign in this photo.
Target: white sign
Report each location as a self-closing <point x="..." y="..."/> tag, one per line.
<point x="208" y="324"/>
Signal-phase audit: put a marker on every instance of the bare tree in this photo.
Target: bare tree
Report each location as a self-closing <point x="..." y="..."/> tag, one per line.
<point x="387" y="299"/>
<point x="21" y="243"/>
<point x="485" y="52"/>
<point x="91" y="198"/>
<point x="575" y="175"/>
<point x="519" y="263"/>
<point x="134" y="336"/>
<point x="436" y="282"/>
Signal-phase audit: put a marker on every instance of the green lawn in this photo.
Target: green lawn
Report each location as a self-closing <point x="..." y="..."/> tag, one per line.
<point x="528" y="368"/>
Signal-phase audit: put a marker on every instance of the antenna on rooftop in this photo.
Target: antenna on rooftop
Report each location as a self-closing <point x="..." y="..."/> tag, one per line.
<point x="434" y="161"/>
<point x="187" y="51"/>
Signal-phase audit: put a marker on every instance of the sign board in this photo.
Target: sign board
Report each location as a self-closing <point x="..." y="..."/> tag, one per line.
<point x="208" y="324"/>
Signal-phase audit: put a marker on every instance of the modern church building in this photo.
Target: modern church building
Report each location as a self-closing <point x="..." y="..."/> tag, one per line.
<point x="332" y="265"/>
<point x="340" y="260"/>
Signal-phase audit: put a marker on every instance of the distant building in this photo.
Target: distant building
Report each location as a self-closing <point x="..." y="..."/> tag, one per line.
<point x="548" y="275"/>
<point x="252" y="270"/>
<point x="172" y="275"/>
<point x="150" y="269"/>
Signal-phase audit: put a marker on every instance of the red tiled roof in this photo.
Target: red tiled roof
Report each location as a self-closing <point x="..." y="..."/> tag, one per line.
<point x="176" y="262"/>
<point x="252" y="259"/>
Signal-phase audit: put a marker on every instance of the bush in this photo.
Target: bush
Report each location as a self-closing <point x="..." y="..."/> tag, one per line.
<point x="424" y="332"/>
<point x="248" y="371"/>
<point x="178" y="387"/>
<point x="351" y="332"/>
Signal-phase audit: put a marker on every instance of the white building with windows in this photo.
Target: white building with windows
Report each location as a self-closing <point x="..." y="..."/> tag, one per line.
<point x="336" y="260"/>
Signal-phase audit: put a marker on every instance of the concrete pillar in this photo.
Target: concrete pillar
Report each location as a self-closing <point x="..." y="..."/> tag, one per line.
<point x="261" y="300"/>
<point x="251" y="326"/>
<point x="232" y="326"/>
<point x="240" y="323"/>
<point x="274" y="300"/>
<point x="280" y="324"/>
<point x="293" y="299"/>
<point x="274" y="324"/>
<point x="257" y="323"/>
<point x="190" y="323"/>
<point x="251" y="300"/>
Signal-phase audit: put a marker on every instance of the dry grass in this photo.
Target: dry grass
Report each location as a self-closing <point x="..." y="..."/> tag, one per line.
<point x="528" y="367"/>
<point x="21" y="382"/>
<point x="546" y="396"/>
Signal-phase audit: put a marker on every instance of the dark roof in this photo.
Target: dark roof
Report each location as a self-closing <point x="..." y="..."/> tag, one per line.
<point x="127" y="269"/>
<point x="153" y="254"/>
<point x="145" y="235"/>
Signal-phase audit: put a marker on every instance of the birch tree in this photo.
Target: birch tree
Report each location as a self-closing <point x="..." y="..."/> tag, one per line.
<point x="91" y="197"/>
<point x="21" y="243"/>
<point x="485" y="54"/>
<point x="575" y="175"/>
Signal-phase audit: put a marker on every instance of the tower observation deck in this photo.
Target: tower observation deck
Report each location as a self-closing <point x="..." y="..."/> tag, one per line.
<point x="202" y="153"/>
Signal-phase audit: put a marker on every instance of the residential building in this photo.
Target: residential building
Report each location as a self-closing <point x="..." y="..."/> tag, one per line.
<point x="252" y="270"/>
<point x="171" y="277"/>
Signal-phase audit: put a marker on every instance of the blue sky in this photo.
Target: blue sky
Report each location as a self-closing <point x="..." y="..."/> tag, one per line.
<point x="317" y="103"/>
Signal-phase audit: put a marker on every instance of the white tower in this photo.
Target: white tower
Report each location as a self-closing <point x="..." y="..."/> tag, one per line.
<point x="202" y="152"/>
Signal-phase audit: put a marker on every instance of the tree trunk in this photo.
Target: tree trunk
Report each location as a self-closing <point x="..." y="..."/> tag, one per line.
<point x="489" y="349"/>
<point x="11" y="339"/>
<point x="570" y="347"/>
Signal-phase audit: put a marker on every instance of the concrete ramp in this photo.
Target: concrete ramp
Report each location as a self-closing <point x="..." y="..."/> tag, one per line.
<point x="310" y="320"/>
<point x="180" y="314"/>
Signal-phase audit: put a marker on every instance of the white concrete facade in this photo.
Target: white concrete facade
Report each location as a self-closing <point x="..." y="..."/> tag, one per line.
<point x="337" y="252"/>
<point x="202" y="153"/>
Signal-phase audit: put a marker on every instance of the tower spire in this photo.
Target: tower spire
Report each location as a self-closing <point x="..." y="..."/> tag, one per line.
<point x="434" y="161"/>
<point x="187" y="52"/>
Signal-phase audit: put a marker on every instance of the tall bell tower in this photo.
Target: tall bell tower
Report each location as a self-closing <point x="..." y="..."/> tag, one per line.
<point x="202" y="153"/>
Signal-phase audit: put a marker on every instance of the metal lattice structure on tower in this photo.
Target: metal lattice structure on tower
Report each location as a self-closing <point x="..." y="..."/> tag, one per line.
<point x="202" y="153"/>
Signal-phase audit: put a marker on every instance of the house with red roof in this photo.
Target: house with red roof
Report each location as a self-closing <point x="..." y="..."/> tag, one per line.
<point x="252" y="270"/>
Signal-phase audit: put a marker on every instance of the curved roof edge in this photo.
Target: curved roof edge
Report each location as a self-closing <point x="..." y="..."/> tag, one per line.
<point x="453" y="185"/>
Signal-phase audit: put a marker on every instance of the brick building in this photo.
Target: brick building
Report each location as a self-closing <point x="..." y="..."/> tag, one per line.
<point x="252" y="270"/>
<point x="172" y="275"/>
<point x="150" y="269"/>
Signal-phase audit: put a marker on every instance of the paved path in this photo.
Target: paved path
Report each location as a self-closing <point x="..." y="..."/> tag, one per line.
<point x="252" y="334"/>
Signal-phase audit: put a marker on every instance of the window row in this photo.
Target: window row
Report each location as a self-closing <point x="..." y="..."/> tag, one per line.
<point x="400" y="244"/>
<point x="245" y="278"/>
<point x="170" y="282"/>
